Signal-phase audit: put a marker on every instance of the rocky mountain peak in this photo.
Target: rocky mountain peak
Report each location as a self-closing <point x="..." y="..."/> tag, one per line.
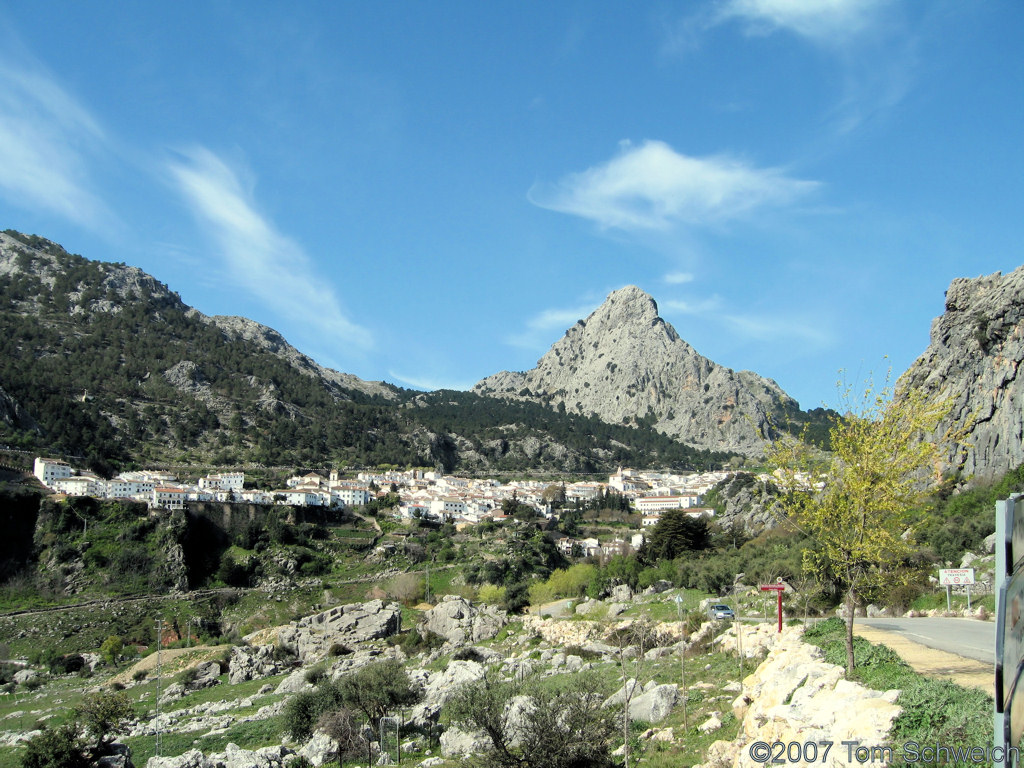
<point x="972" y="361"/>
<point x="625" y="364"/>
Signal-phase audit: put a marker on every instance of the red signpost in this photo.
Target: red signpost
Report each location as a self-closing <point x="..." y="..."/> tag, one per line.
<point x="778" y="589"/>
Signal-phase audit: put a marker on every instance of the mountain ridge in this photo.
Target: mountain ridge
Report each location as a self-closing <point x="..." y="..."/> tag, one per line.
<point x="103" y="361"/>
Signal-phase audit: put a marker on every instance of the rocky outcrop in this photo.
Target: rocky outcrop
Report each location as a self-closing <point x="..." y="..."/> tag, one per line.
<point x="252" y="663"/>
<point x="625" y="363"/>
<point x="12" y="414"/>
<point x="459" y="621"/>
<point x="271" y="341"/>
<point x="795" y="696"/>
<point x="311" y="637"/>
<point x="972" y="362"/>
<point x="232" y="757"/>
<point x="745" y="501"/>
<point x="651" y="703"/>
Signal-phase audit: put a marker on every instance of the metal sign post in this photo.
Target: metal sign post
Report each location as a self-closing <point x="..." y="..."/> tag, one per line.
<point x="778" y="589"/>
<point x="1009" y="585"/>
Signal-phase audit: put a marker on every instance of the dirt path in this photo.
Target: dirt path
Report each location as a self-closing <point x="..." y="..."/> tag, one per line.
<point x="934" y="663"/>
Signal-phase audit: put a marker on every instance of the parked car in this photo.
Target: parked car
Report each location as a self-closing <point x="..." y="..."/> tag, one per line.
<point x="720" y="611"/>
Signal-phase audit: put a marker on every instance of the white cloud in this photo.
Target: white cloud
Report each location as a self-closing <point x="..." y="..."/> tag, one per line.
<point x="258" y="258"/>
<point x="541" y="327"/>
<point x="430" y="383"/>
<point x="654" y="187"/>
<point x="779" y="329"/>
<point x="684" y="307"/>
<point x="824" y="21"/>
<point x="679" y="278"/>
<point x="46" y="141"/>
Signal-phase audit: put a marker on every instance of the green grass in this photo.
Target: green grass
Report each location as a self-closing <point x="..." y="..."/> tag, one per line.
<point x="934" y="711"/>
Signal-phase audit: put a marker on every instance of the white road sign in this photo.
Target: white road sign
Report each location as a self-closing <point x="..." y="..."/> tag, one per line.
<point x="956" y="576"/>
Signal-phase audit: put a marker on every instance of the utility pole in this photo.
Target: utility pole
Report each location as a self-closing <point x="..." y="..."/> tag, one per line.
<point x="682" y="659"/>
<point x="159" y="670"/>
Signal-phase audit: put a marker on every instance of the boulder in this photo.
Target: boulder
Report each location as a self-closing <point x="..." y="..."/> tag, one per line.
<point x="320" y="749"/>
<point x="313" y="636"/>
<point x="621" y="593"/>
<point x="252" y="663"/>
<point x="439" y="687"/>
<point x="23" y="676"/>
<point x="456" y="742"/>
<point x="119" y="756"/>
<point x="191" y="759"/>
<point x="654" y="705"/>
<point x="658" y="587"/>
<point x="460" y="622"/>
<point x="207" y="674"/>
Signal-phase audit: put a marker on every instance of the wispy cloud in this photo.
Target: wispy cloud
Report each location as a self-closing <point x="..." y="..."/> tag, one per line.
<point x="47" y="140"/>
<point x="260" y="259"/>
<point x="430" y="383"/>
<point x="700" y="306"/>
<point x="540" y="328"/>
<point x="653" y="187"/>
<point x="827" y="22"/>
<point x="678" y="278"/>
<point x="778" y="329"/>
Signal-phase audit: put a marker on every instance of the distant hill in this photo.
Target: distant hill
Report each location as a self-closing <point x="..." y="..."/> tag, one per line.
<point x="974" y="360"/>
<point x="625" y="364"/>
<point x="102" y="361"/>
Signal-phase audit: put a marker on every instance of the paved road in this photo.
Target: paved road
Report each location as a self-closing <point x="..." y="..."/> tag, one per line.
<point x="969" y="638"/>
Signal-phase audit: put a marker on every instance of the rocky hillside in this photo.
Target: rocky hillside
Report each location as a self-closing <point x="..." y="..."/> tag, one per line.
<point x="973" y="358"/>
<point x="625" y="364"/>
<point x="101" y="361"/>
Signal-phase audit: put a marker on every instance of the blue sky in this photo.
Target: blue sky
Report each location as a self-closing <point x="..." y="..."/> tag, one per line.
<point x="428" y="193"/>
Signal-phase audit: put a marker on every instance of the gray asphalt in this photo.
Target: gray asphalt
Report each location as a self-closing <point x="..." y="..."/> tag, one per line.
<point x="969" y="638"/>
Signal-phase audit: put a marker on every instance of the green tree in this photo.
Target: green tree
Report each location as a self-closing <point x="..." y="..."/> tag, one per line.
<point x="675" y="533"/>
<point x="558" y="724"/>
<point x="857" y="503"/>
<point x="376" y="689"/>
<point x="111" y="649"/>
<point x="103" y="714"/>
<point x="59" y="747"/>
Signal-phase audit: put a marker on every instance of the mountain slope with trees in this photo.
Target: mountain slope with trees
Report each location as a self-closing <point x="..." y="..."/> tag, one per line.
<point x="101" y="361"/>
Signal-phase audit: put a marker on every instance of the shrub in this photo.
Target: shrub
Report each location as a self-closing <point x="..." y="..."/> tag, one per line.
<point x="139" y="675"/>
<point x="469" y="653"/>
<point x="565" y="727"/>
<point x="60" y="747"/>
<point x="305" y="708"/>
<point x="315" y="674"/>
<point x="491" y="594"/>
<point x="337" y="649"/>
<point x="341" y="726"/>
<point x="408" y="588"/>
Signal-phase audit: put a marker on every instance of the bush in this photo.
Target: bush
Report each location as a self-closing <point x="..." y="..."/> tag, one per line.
<point x="469" y="653"/>
<point x="408" y="588"/>
<point x="305" y="708"/>
<point x="491" y="594"/>
<point x="565" y="727"/>
<point x="314" y="675"/>
<point x="61" y="747"/>
<point x="139" y="675"/>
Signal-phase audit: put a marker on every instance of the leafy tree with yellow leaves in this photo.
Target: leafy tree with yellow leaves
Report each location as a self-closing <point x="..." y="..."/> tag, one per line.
<point x="860" y="503"/>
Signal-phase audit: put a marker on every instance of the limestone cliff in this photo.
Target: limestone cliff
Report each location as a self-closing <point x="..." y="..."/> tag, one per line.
<point x="625" y="364"/>
<point x="973" y="358"/>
